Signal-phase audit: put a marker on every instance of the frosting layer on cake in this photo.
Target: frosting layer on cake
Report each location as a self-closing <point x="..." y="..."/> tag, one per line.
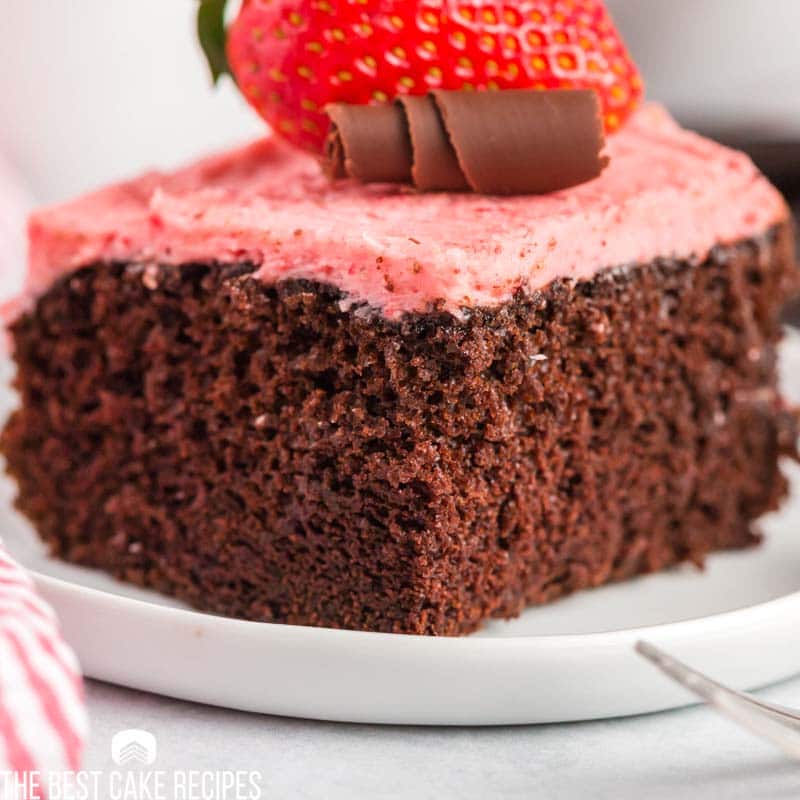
<point x="667" y="192"/>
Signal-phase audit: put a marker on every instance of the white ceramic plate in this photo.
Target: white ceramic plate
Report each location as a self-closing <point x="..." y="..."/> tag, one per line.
<point x="571" y="660"/>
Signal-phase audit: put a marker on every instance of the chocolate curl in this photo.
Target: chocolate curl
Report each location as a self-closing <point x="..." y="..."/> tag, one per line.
<point x="516" y="141"/>
<point x="435" y="166"/>
<point x="524" y="142"/>
<point x="370" y="143"/>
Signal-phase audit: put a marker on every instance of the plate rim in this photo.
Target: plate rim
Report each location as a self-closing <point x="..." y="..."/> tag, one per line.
<point x="409" y="679"/>
<point x="718" y="621"/>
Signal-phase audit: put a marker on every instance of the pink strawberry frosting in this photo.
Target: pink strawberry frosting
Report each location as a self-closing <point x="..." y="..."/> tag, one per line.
<point x="667" y="192"/>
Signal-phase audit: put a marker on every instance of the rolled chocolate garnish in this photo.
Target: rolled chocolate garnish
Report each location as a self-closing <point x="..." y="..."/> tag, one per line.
<point x="370" y="143"/>
<point x="435" y="166"/>
<point x="520" y="141"/>
<point x="517" y="141"/>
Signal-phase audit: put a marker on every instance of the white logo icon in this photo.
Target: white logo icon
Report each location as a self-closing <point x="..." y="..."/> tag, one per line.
<point x="133" y="747"/>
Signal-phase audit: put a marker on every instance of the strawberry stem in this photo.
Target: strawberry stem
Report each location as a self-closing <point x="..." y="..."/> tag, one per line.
<point x="211" y="33"/>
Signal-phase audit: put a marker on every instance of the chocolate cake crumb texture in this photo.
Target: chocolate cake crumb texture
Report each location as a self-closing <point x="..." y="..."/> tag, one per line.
<point x="258" y="451"/>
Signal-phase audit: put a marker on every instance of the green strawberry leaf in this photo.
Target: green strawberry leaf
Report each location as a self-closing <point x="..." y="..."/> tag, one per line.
<point x="211" y="33"/>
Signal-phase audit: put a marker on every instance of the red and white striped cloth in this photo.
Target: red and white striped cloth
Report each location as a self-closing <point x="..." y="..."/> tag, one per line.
<point x="42" y="711"/>
<point x="43" y="721"/>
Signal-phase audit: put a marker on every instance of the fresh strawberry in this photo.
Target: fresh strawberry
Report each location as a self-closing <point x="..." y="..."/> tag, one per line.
<point x="292" y="57"/>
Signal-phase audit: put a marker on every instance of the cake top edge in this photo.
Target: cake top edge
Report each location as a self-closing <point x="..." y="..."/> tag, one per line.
<point x="667" y="192"/>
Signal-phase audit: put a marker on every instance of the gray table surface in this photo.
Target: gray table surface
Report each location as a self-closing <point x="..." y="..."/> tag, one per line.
<point x="686" y="753"/>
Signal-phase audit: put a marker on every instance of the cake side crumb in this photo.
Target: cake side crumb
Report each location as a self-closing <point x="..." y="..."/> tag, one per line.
<point x="257" y="451"/>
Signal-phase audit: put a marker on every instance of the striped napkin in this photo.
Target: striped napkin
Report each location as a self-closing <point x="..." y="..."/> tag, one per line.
<point x="42" y="713"/>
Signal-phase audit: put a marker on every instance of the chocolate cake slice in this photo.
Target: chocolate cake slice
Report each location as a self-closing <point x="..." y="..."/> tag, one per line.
<point x="357" y="406"/>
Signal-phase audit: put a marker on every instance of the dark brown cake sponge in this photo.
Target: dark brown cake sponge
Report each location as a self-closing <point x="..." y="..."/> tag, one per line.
<point x="260" y="452"/>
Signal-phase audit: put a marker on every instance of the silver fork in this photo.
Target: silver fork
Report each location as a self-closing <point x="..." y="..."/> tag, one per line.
<point x="776" y="724"/>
